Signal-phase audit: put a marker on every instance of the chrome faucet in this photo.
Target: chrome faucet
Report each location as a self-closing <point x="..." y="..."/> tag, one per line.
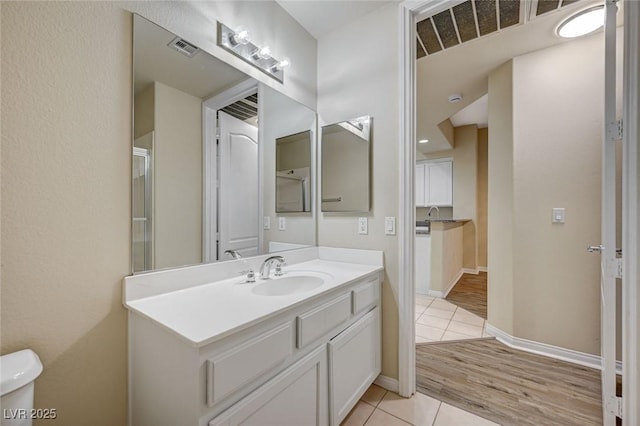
<point x="265" y="269"/>
<point x="233" y="253"/>
<point x="437" y="212"/>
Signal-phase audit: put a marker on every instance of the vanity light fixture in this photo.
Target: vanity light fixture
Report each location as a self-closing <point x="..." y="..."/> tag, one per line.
<point x="582" y="23"/>
<point x="423" y="141"/>
<point x="238" y="43"/>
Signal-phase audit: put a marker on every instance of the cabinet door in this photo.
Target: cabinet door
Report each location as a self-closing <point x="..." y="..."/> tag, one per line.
<point x="421" y="200"/>
<point x="354" y="363"/>
<point x="297" y="396"/>
<point x="422" y="263"/>
<point x="440" y="183"/>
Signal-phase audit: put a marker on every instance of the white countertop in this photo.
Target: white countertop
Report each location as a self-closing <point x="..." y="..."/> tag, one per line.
<point x="205" y="313"/>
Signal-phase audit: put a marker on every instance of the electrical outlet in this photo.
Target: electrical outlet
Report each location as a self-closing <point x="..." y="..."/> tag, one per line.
<point x="390" y="226"/>
<point x="266" y="223"/>
<point x="363" y="225"/>
<point x="282" y="224"/>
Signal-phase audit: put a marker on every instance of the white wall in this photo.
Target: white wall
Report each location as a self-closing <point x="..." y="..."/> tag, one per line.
<point x="281" y="117"/>
<point x="358" y="75"/>
<point x="66" y="182"/>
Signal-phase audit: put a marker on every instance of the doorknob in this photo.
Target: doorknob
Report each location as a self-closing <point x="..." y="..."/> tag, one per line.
<point x="595" y="249"/>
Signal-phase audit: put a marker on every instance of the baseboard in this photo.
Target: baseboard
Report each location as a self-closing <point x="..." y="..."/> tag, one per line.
<point x="443" y="294"/>
<point x="471" y="271"/>
<point x="544" y="349"/>
<point x="452" y="284"/>
<point x="483" y="269"/>
<point x="387" y="383"/>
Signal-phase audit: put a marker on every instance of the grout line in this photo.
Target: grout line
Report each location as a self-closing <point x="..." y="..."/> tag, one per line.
<point x="437" y="414"/>
<point x="393" y="415"/>
<point x="369" y="416"/>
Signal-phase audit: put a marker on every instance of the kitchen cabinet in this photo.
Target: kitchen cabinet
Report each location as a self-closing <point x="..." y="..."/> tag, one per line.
<point x="434" y="183"/>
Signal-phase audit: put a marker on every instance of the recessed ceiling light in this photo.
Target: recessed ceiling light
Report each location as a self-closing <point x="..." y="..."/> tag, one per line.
<point x="423" y="141"/>
<point x="582" y="23"/>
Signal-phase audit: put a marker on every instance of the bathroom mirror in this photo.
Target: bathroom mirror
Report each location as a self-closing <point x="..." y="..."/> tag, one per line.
<point x="346" y="171"/>
<point x="204" y="157"/>
<point x="293" y="173"/>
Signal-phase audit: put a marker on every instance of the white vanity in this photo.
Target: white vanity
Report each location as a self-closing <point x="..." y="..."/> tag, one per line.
<point x="207" y="348"/>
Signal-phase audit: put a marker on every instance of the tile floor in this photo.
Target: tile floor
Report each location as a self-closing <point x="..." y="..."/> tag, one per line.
<point x="378" y="407"/>
<point x="439" y="320"/>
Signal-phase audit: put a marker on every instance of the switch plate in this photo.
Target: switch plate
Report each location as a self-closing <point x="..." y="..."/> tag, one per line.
<point x="390" y="225"/>
<point x="266" y="222"/>
<point x="363" y="225"/>
<point x="282" y="224"/>
<point x="558" y="215"/>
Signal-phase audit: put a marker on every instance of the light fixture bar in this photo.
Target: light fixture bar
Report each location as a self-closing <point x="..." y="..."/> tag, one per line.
<point x="259" y="57"/>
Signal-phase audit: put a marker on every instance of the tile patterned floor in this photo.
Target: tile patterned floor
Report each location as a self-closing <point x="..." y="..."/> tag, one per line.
<point x="439" y="320"/>
<point x="378" y="407"/>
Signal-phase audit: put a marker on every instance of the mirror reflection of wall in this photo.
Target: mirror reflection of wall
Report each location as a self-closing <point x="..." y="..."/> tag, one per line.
<point x="346" y="166"/>
<point x="198" y="197"/>
<point x="293" y="173"/>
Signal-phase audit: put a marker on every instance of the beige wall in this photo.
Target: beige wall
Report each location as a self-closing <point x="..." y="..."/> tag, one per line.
<point x="500" y="222"/>
<point x="481" y="216"/>
<point x="143" y="119"/>
<point x="351" y="85"/>
<point x="446" y="254"/>
<point x="66" y="179"/>
<point x="557" y="163"/>
<point x="177" y="164"/>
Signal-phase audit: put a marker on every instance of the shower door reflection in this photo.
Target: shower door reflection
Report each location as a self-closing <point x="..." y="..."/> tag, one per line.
<point x="141" y="227"/>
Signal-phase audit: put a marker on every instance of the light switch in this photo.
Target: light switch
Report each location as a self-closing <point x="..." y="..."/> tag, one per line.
<point x="363" y="225"/>
<point x="390" y="225"/>
<point x="282" y="224"/>
<point x="266" y="222"/>
<point x="558" y="215"/>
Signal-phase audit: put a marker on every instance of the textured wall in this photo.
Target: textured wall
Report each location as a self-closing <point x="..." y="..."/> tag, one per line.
<point x="66" y="145"/>
<point x="351" y="84"/>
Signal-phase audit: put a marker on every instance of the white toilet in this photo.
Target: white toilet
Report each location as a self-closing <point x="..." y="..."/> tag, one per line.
<point x="17" y="373"/>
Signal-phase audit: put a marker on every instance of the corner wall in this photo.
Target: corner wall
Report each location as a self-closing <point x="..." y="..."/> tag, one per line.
<point x="351" y="84"/>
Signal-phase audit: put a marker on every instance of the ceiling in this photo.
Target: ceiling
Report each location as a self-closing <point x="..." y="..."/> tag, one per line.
<point x="154" y="60"/>
<point x="464" y="69"/>
<point x="320" y="17"/>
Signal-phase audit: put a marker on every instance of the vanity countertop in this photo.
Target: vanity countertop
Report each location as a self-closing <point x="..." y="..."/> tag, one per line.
<point x="205" y="313"/>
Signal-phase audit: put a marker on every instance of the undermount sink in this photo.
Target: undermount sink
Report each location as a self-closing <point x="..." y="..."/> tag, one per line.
<point x="287" y="285"/>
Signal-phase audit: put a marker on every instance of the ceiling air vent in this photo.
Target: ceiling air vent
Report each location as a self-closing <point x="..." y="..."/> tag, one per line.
<point x="183" y="47"/>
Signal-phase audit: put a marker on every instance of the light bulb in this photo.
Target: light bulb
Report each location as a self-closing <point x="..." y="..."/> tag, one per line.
<point x="241" y="36"/>
<point x="262" y="53"/>
<point x="280" y="65"/>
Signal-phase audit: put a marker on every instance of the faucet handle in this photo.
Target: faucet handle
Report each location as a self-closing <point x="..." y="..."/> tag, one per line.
<point x="278" y="272"/>
<point x="251" y="275"/>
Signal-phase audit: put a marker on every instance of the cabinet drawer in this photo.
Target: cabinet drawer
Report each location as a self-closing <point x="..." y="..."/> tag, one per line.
<point x="365" y="295"/>
<point x="230" y="371"/>
<point x="315" y="323"/>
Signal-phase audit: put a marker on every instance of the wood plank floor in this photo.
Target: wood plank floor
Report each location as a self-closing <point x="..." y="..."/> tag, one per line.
<point x="508" y="386"/>
<point x="470" y="293"/>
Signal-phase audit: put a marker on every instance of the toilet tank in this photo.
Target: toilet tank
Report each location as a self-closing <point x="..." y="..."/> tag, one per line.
<point x="18" y="370"/>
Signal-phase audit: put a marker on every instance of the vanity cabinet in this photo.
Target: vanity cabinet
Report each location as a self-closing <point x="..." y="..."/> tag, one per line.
<point x="308" y="364"/>
<point x="434" y="183"/>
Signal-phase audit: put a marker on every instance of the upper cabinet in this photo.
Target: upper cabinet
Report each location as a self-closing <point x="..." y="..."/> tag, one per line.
<point x="434" y="183"/>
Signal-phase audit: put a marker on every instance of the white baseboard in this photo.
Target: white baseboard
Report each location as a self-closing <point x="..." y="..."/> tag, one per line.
<point x="471" y="271"/>
<point x="452" y="283"/>
<point x="556" y="352"/>
<point x="387" y="383"/>
<point x="483" y="269"/>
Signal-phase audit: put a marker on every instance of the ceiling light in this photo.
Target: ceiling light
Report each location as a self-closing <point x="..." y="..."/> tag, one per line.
<point x="241" y="36"/>
<point x="455" y="98"/>
<point x="423" y="141"/>
<point x="582" y="23"/>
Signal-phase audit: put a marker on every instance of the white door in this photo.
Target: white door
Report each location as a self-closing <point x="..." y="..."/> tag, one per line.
<point x="238" y="186"/>
<point x="607" y="248"/>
